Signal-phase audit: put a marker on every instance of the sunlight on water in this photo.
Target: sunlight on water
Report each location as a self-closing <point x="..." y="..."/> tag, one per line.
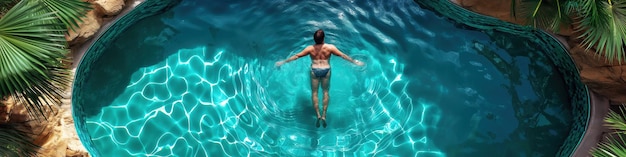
<point x="203" y="100"/>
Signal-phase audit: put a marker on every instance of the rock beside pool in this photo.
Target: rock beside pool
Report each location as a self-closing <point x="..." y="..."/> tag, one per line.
<point x="109" y="7"/>
<point x="74" y="147"/>
<point x="46" y="134"/>
<point x="601" y="77"/>
<point x="87" y="29"/>
<point x="103" y="11"/>
<point x="57" y="135"/>
<point x="5" y="107"/>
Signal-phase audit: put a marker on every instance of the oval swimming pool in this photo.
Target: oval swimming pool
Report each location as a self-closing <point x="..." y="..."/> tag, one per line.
<point x="198" y="79"/>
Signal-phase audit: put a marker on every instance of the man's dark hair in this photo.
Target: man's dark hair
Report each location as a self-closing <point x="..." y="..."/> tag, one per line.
<point x="318" y="36"/>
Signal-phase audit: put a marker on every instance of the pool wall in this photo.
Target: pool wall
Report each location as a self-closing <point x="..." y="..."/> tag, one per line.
<point x="558" y="55"/>
<point x="556" y="52"/>
<point x="143" y="10"/>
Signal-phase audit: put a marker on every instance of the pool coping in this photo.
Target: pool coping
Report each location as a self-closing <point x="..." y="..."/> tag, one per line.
<point x="595" y="126"/>
<point x="599" y="107"/>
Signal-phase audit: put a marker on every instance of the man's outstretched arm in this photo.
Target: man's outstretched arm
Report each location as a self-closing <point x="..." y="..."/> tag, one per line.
<point x="294" y="57"/>
<point x="344" y="56"/>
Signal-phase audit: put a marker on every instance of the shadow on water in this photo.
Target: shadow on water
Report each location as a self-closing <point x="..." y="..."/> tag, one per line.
<point x="111" y="73"/>
<point x="543" y="114"/>
<point x="308" y="119"/>
<point x="305" y="111"/>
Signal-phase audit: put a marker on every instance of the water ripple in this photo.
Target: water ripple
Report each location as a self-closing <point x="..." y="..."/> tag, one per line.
<point x="227" y="103"/>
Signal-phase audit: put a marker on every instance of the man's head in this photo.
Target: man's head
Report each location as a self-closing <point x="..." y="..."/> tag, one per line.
<point x="318" y="36"/>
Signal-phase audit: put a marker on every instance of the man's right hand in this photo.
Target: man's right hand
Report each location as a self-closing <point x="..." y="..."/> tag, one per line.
<point x="279" y="63"/>
<point x="359" y="63"/>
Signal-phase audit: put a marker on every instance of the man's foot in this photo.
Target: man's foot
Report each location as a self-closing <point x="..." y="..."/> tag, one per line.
<point x="317" y="124"/>
<point x="324" y="122"/>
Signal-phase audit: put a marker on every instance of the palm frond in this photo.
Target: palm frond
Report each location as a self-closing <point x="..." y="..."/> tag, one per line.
<point x="14" y="142"/>
<point x="546" y="14"/>
<point x="613" y="147"/>
<point x="604" y="26"/>
<point x="616" y="121"/>
<point x="513" y="8"/>
<point x="68" y="12"/>
<point x="30" y="48"/>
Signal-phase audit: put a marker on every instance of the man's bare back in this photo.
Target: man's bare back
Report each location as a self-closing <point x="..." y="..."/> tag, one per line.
<point x="320" y="55"/>
<point x="320" y="70"/>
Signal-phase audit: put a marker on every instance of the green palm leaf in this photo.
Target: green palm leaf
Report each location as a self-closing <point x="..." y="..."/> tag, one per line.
<point x="615" y="146"/>
<point x="603" y="22"/>
<point x="14" y="142"/>
<point x="68" y="12"/>
<point x="30" y="47"/>
<point x="546" y="14"/>
<point x="616" y="121"/>
<point x="604" y="26"/>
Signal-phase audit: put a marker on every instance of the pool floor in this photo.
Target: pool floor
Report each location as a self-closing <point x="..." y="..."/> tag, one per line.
<point x="199" y="80"/>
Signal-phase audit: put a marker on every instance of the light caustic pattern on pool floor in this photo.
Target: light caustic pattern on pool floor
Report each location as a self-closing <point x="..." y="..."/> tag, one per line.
<point x="204" y="102"/>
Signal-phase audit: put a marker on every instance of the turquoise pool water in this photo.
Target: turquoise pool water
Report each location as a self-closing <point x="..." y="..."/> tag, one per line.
<point x="199" y="80"/>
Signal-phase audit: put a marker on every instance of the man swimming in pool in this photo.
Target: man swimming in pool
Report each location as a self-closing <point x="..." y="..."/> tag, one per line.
<point x="320" y="69"/>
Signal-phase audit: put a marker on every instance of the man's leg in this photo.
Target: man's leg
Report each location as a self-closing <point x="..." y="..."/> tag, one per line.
<point x="314" y="88"/>
<point x="325" y="88"/>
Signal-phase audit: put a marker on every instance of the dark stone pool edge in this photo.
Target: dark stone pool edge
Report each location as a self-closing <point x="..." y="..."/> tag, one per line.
<point x="599" y="108"/>
<point x="95" y="50"/>
<point x="557" y="53"/>
<point x="595" y="129"/>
